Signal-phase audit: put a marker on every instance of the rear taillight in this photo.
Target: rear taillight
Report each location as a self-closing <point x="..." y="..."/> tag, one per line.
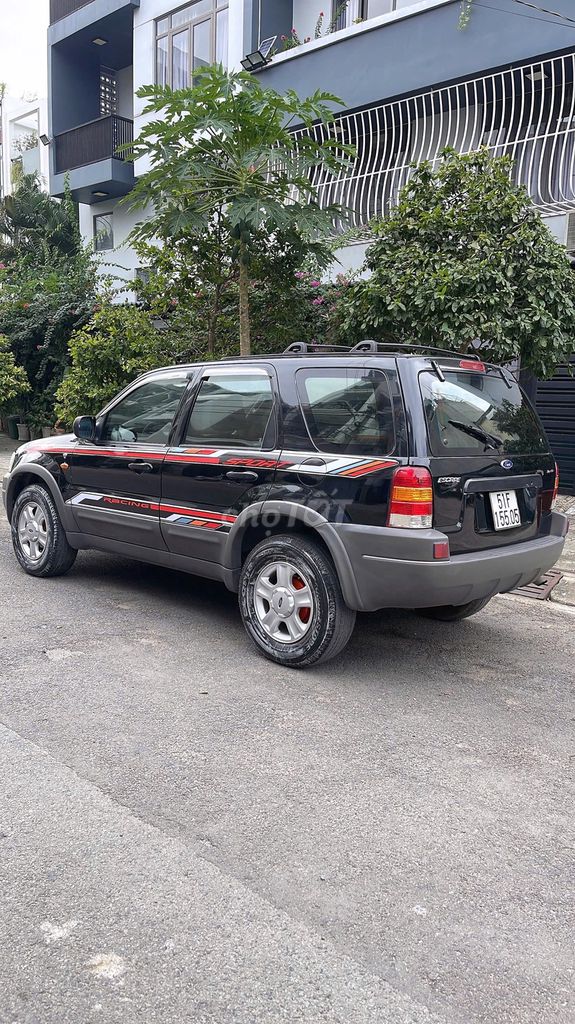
<point x="548" y="497"/>
<point x="411" y="500"/>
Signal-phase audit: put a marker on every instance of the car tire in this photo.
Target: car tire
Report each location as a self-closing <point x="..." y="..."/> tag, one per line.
<point x="454" y="612"/>
<point x="291" y="602"/>
<point x="38" y="537"/>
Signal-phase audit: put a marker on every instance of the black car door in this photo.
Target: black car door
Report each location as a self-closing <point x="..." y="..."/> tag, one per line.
<point x="225" y="461"/>
<point x="117" y="480"/>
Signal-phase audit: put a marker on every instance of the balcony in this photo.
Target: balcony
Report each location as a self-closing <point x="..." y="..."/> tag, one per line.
<point x="89" y="155"/>
<point x="98" y="140"/>
<point x="525" y="112"/>
<point x="62" y="8"/>
<point x="67" y="17"/>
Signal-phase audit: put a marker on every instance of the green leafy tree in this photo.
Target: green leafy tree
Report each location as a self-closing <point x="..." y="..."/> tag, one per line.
<point x="117" y="344"/>
<point x="13" y="379"/>
<point x="33" y="224"/>
<point x="465" y="262"/>
<point x="228" y="179"/>
<point x="47" y="288"/>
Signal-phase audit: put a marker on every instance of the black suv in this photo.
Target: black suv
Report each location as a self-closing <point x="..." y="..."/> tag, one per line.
<point x="315" y="484"/>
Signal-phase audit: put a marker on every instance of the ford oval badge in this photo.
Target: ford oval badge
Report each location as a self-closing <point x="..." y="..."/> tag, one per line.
<point x="507" y="464"/>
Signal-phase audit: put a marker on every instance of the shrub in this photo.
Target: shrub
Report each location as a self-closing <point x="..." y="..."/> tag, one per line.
<point x="13" y="379"/>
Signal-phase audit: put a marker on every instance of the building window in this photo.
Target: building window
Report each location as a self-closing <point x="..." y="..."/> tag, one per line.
<point x="189" y="39"/>
<point x="103" y="232"/>
<point x="108" y="92"/>
<point x="345" y="14"/>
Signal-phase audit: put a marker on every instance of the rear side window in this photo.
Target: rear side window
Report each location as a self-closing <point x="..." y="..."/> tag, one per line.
<point x="231" y="410"/>
<point x="347" y="410"/>
<point x="469" y="413"/>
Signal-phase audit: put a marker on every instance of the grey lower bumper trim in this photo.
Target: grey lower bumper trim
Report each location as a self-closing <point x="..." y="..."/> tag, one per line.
<point x="384" y="582"/>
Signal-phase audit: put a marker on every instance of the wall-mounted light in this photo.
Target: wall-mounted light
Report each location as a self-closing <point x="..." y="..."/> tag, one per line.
<point x="98" y="41"/>
<point x="260" y="57"/>
<point x="536" y="76"/>
<point x="100" y="195"/>
<point x="45" y="140"/>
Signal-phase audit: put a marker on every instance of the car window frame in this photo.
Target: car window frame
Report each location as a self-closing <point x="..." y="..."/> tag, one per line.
<point x="270" y="440"/>
<point x="465" y="451"/>
<point x="183" y="374"/>
<point x="336" y="369"/>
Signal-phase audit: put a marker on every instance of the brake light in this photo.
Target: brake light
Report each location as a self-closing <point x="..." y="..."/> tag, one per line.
<point x="472" y="364"/>
<point x="411" y="500"/>
<point x="556" y="487"/>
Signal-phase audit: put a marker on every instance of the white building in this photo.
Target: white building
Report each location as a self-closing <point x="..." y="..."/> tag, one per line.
<point x="411" y="83"/>
<point x="22" y="122"/>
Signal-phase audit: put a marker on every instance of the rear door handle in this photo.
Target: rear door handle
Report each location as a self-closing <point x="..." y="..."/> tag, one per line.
<point x="242" y="476"/>
<point x="140" y="467"/>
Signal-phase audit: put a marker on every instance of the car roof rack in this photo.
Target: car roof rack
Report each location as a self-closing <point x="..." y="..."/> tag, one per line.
<point x="304" y="347"/>
<point x="368" y="346"/>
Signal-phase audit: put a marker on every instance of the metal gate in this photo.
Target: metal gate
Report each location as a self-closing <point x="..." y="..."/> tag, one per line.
<point x="556" y="407"/>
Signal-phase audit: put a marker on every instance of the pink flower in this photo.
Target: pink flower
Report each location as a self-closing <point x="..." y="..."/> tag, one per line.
<point x="174" y="302"/>
<point x="315" y="284"/>
<point x="317" y="302"/>
<point x="2" y="266"/>
<point x="299" y="274"/>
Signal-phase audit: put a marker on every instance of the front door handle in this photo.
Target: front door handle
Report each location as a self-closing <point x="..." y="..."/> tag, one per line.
<point x="242" y="476"/>
<point x="140" y="467"/>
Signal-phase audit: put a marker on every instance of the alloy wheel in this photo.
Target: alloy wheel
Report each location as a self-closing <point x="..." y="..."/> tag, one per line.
<point x="33" y="531"/>
<point x="283" y="602"/>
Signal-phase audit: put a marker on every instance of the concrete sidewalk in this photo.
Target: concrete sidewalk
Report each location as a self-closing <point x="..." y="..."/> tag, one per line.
<point x="564" y="592"/>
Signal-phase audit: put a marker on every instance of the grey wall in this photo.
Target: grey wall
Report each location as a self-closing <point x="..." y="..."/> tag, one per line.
<point x="74" y="89"/>
<point x="421" y="50"/>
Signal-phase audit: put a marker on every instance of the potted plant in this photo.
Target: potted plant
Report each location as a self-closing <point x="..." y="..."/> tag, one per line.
<point x="41" y="416"/>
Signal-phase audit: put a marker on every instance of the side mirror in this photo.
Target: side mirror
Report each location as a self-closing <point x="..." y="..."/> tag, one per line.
<point x="85" y="428"/>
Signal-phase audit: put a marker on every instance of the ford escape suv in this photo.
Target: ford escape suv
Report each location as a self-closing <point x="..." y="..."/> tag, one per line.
<point x="315" y="484"/>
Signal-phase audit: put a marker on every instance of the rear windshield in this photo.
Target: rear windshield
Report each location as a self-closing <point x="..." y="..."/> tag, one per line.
<point x="469" y="413"/>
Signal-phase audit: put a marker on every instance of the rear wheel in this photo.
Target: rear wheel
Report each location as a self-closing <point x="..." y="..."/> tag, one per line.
<point x="291" y="602"/>
<point x="38" y="537"/>
<point x="454" y="612"/>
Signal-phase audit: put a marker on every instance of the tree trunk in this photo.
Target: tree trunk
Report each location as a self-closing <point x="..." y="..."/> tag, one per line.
<point x="213" y="321"/>
<point x="245" y="341"/>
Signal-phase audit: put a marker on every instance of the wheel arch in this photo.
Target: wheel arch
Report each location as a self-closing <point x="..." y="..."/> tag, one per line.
<point x="273" y="517"/>
<point x="26" y="476"/>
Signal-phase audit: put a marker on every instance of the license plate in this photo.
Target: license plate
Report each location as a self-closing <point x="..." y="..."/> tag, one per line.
<point x="505" y="509"/>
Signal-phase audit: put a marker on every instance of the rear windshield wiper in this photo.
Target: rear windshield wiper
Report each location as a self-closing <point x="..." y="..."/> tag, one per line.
<point x="490" y="440"/>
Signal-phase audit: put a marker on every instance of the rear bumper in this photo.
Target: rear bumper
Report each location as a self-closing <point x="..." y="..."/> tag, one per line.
<point x="395" y="568"/>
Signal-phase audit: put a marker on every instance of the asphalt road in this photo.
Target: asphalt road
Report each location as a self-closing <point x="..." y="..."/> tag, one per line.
<point x="188" y="833"/>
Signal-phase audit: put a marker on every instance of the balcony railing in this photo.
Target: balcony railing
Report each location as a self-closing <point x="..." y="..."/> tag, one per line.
<point x="526" y="113"/>
<point x="62" y="8"/>
<point x="97" y="140"/>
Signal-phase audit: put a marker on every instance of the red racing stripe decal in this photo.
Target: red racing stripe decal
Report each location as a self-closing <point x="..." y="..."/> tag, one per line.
<point x="195" y="513"/>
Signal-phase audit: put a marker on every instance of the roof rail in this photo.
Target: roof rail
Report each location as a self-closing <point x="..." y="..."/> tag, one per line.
<point x="368" y="346"/>
<point x="301" y="347"/>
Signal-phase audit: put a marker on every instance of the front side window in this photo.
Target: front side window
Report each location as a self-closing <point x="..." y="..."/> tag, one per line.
<point x="469" y="413"/>
<point x="348" y="411"/>
<point x="104" y="232"/>
<point x="232" y="411"/>
<point x="147" y="413"/>
<point x="190" y="39"/>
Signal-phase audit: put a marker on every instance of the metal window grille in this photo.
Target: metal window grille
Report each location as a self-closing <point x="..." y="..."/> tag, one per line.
<point x="526" y="112"/>
<point x="108" y="92"/>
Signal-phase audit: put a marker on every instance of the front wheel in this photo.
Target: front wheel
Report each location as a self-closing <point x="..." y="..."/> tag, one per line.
<point x="454" y="612"/>
<point x="38" y="537"/>
<point x="291" y="602"/>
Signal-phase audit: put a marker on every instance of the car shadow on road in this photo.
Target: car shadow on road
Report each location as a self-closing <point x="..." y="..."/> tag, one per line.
<point x="391" y="640"/>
